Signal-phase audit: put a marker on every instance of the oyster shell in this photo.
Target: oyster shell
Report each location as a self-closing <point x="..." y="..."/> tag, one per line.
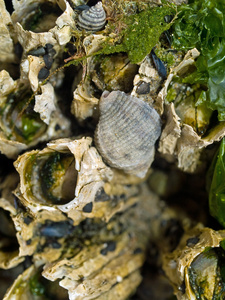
<point x="126" y="133"/>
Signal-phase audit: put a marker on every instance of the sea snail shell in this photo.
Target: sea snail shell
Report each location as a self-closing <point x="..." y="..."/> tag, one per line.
<point x="92" y="19"/>
<point x="126" y="133"/>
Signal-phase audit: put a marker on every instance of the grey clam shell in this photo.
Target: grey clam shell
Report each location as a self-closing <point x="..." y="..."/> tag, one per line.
<point x="126" y="133"/>
<point x="92" y="19"/>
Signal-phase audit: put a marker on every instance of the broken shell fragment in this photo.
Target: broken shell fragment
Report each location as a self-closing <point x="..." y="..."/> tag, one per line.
<point x="92" y="19"/>
<point x="126" y="133"/>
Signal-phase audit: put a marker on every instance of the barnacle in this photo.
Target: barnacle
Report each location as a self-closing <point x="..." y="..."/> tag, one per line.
<point x="104" y="150"/>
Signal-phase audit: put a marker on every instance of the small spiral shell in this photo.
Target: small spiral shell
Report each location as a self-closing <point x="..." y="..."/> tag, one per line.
<point x="126" y="133"/>
<point x="92" y="19"/>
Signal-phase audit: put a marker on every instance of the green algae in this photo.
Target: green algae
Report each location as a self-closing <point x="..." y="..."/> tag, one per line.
<point x="142" y="33"/>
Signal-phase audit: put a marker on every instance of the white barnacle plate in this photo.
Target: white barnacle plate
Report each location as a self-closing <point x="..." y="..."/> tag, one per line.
<point x="147" y="82"/>
<point x="24" y="122"/>
<point x="70" y="176"/>
<point x="180" y="139"/>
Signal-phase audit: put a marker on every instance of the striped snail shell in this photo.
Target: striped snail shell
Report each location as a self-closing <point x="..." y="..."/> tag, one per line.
<point x="92" y="19"/>
<point x="126" y="133"/>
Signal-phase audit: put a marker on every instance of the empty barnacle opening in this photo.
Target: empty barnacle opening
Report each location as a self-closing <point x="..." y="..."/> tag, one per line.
<point x="40" y="16"/>
<point x="24" y="127"/>
<point x="55" y="176"/>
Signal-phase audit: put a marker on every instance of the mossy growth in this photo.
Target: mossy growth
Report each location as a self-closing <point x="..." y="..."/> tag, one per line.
<point x="166" y="56"/>
<point x="139" y="34"/>
<point x="142" y="33"/>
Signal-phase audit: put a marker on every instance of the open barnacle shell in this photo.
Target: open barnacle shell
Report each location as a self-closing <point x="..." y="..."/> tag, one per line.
<point x="178" y="137"/>
<point x="42" y="22"/>
<point x="195" y="267"/>
<point x="70" y="176"/>
<point x="113" y="72"/>
<point x="43" y="46"/>
<point x="43" y="19"/>
<point x="23" y="129"/>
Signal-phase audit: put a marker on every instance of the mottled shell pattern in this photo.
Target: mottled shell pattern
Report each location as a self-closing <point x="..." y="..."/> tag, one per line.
<point x="92" y="19"/>
<point x="127" y="131"/>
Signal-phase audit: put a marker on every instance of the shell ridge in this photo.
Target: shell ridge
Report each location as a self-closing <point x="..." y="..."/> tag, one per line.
<point x="93" y="18"/>
<point x="126" y="133"/>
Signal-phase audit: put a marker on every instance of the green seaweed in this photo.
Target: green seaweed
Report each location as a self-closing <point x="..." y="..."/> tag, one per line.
<point x="201" y="24"/>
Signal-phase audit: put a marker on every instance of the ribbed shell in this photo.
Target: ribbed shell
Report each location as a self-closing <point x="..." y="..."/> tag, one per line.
<point x="92" y="19"/>
<point x="126" y="133"/>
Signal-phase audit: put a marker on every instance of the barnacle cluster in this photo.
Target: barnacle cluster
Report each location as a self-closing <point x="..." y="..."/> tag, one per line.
<point x="98" y="138"/>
